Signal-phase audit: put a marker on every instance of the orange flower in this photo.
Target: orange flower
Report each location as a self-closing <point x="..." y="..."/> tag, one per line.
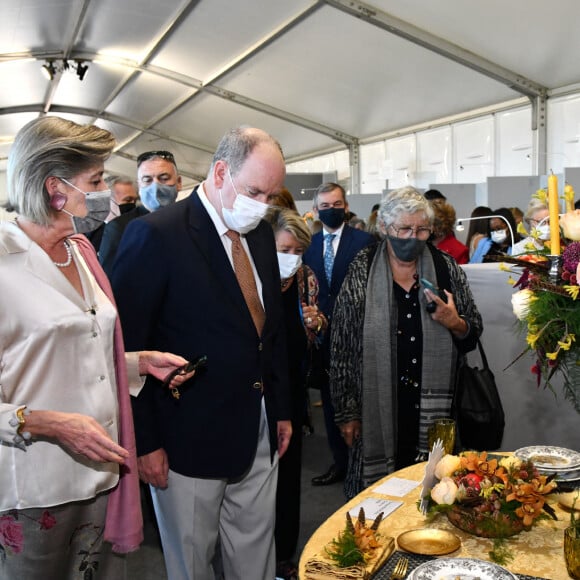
<point x="524" y="492"/>
<point x="479" y="464"/>
<point x="470" y="461"/>
<point x="528" y="512"/>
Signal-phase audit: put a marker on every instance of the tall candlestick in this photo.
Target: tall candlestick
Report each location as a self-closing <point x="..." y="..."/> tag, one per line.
<point x="554" y="208"/>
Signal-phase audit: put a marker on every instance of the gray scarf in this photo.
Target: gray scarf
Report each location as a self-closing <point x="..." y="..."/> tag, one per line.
<point x="379" y="417"/>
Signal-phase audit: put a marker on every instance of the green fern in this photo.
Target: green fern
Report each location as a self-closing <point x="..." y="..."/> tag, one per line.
<point x="344" y="551"/>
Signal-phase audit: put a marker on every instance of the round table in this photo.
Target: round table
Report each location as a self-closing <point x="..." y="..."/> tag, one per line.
<point x="538" y="552"/>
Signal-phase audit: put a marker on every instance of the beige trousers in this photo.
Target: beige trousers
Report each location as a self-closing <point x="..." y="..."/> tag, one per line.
<point x="192" y="513"/>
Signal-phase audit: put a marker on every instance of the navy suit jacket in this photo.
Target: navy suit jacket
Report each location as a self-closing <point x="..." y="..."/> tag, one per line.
<point x="112" y="234"/>
<point x="176" y="291"/>
<point x="351" y="242"/>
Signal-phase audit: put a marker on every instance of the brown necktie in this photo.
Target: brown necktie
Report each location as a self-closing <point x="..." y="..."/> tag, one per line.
<point x="246" y="280"/>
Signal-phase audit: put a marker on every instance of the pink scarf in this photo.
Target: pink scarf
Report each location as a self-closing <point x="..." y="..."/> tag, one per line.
<point x="124" y="521"/>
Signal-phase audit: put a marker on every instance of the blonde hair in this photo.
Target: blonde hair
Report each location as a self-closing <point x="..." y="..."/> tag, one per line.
<point x="47" y="147"/>
<point x="292" y="222"/>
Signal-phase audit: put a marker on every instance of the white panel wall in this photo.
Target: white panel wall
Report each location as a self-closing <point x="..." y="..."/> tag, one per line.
<point x="400" y="161"/>
<point x="563" y="133"/>
<point x="473" y="146"/>
<point x="514" y="142"/>
<point x="372" y="168"/>
<point x="434" y="157"/>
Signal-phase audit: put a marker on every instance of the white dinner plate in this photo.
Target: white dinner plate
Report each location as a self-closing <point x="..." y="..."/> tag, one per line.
<point x="464" y="568"/>
<point x="550" y="458"/>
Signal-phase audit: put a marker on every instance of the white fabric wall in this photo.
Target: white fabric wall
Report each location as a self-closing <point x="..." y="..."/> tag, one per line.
<point x="534" y="416"/>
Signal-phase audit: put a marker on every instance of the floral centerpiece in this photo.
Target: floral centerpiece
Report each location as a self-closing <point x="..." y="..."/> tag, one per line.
<point x="490" y="497"/>
<point x="547" y="302"/>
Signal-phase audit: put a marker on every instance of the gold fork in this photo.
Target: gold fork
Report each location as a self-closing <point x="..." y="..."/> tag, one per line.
<point x="400" y="569"/>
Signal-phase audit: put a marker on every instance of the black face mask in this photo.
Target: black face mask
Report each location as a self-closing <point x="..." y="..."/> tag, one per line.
<point x="333" y="217"/>
<point x="125" y="207"/>
<point x="407" y="250"/>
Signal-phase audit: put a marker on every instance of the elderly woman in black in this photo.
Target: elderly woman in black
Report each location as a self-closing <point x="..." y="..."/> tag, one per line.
<point x="395" y="344"/>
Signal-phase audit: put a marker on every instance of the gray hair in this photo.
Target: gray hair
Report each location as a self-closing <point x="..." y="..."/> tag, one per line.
<point x="114" y="179"/>
<point x="46" y="147"/>
<point x="292" y="222"/>
<point x="237" y="144"/>
<point x="402" y="201"/>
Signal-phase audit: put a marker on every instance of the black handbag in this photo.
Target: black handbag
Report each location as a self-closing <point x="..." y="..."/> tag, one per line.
<point x="477" y="407"/>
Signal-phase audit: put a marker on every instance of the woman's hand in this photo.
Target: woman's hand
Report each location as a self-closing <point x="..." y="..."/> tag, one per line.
<point x="350" y="431"/>
<point x="446" y="313"/>
<point x="161" y="364"/>
<point x="80" y="434"/>
<point x="313" y="318"/>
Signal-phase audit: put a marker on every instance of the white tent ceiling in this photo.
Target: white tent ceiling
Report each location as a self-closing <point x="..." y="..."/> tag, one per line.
<point x="318" y="75"/>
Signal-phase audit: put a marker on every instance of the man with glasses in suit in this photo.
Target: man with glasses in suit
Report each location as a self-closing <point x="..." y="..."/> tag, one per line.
<point x="159" y="184"/>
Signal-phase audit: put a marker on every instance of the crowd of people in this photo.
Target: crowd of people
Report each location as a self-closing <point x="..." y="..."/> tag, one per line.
<point x="171" y="342"/>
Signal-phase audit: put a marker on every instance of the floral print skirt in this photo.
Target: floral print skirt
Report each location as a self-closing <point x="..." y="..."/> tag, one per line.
<point x="64" y="542"/>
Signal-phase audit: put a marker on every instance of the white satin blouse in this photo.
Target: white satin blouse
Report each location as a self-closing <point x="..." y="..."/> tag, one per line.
<point x="56" y="353"/>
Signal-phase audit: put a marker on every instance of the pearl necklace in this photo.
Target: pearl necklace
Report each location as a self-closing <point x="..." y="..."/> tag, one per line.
<point x="68" y="257"/>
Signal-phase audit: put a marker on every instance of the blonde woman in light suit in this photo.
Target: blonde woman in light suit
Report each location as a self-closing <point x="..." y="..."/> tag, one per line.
<point x="67" y="456"/>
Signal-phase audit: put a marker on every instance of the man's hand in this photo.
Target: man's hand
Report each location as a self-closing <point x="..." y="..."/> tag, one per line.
<point x="154" y="468"/>
<point x="350" y="431"/>
<point x="284" y="434"/>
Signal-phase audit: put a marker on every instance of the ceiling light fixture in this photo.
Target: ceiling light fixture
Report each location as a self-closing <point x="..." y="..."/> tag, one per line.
<point x="82" y="69"/>
<point x="49" y="70"/>
<point x="54" y="66"/>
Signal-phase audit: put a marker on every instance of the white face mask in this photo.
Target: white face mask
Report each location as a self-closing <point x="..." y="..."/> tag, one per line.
<point x="498" y="236"/>
<point x="289" y="264"/>
<point x="543" y="232"/>
<point x="246" y="213"/>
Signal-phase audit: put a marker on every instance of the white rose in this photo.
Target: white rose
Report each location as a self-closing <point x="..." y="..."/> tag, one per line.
<point x="444" y="492"/>
<point x="521" y="303"/>
<point x="447" y="465"/>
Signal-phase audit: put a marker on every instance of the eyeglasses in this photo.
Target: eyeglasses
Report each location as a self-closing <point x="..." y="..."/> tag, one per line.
<point x="405" y="232"/>
<point x="167" y="155"/>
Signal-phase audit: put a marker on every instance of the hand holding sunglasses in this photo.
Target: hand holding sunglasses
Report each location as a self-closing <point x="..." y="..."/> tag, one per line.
<point x="186" y="369"/>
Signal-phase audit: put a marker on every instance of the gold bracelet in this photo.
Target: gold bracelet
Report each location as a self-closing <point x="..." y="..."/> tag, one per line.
<point x="20" y="413"/>
<point x="319" y="318"/>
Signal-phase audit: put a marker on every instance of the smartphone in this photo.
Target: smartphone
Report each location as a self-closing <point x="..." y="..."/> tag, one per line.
<point x="196" y="364"/>
<point x="432" y="306"/>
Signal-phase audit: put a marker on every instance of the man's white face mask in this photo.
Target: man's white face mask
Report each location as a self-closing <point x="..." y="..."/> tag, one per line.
<point x="246" y="213"/>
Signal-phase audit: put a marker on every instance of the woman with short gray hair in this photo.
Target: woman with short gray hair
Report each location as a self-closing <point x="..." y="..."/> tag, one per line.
<point x="395" y="344"/>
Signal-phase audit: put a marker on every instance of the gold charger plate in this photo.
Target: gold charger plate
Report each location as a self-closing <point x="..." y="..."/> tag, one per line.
<point x="429" y="541"/>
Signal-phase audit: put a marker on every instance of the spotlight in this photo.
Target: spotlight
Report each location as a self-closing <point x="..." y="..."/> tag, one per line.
<point x="81" y="69"/>
<point x="49" y="70"/>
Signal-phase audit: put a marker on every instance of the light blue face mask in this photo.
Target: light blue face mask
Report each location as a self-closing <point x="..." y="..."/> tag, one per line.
<point x="156" y="195"/>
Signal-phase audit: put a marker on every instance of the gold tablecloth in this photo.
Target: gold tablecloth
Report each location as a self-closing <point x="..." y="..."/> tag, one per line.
<point x="538" y="552"/>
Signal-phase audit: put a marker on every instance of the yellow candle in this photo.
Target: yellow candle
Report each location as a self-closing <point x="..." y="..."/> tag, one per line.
<point x="554" y="208"/>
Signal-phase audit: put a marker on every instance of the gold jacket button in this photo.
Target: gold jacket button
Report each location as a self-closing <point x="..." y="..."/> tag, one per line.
<point x="257" y="385"/>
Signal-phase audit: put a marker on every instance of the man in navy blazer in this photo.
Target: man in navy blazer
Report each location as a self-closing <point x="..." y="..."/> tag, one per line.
<point x="211" y="455"/>
<point x="330" y="207"/>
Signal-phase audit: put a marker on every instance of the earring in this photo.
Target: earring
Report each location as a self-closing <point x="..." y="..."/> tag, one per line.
<point x="57" y="201"/>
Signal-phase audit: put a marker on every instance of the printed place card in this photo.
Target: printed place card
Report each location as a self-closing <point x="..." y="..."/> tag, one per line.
<point x="374" y="506"/>
<point x="397" y="486"/>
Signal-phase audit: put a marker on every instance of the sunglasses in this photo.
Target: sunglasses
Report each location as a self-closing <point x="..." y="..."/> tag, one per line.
<point x="195" y="365"/>
<point x="167" y="155"/>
